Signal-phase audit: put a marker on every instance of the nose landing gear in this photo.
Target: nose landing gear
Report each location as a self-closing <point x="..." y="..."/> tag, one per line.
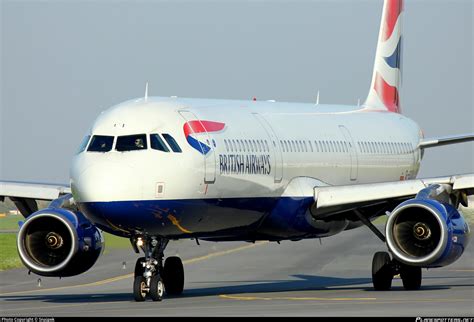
<point x="151" y="277"/>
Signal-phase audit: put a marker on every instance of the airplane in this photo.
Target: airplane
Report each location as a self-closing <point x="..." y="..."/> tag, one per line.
<point x="156" y="169"/>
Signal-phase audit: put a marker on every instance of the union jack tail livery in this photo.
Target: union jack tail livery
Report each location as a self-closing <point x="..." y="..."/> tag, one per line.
<point x="386" y="78"/>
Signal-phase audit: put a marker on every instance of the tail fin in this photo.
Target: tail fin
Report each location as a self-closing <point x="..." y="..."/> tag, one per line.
<point x="387" y="74"/>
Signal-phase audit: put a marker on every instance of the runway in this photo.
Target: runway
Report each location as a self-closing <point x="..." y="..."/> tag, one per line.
<point x="304" y="278"/>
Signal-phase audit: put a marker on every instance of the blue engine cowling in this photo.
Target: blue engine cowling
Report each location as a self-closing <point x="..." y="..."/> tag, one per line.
<point x="426" y="233"/>
<point x="59" y="242"/>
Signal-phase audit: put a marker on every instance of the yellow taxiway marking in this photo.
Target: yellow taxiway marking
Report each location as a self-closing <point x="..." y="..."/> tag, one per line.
<point x="360" y="300"/>
<point x="254" y="298"/>
<point x="122" y="277"/>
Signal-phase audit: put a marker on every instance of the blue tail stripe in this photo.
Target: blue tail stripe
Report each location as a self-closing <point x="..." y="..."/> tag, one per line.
<point x="394" y="60"/>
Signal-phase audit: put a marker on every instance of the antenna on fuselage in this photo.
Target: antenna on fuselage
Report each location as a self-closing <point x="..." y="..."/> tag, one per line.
<point x="317" y="99"/>
<point x="146" y="91"/>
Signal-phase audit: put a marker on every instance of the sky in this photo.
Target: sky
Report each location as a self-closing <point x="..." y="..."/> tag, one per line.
<point x="63" y="62"/>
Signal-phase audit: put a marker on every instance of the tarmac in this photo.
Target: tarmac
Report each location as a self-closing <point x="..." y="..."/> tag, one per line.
<point x="327" y="277"/>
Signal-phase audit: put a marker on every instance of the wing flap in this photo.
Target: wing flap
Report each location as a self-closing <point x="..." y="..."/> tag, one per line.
<point x="349" y="196"/>
<point x="30" y="190"/>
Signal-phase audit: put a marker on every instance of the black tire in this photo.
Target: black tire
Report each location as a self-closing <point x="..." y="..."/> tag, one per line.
<point x="157" y="288"/>
<point x="411" y="277"/>
<point x="382" y="273"/>
<point x="139" y="269"/>
<point x="139" y="285"/>
<point x="173" y="275"/>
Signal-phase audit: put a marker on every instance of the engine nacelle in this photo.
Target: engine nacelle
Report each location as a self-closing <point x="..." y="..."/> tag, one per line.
<point x="427" y="233"/>
<point x="59" y="242"/>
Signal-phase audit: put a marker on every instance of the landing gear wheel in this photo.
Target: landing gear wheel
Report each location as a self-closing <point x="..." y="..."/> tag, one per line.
<point x="157" y="288"/>
<point x="139" y="269"/>
<point x="382" y="273"/>
<point x="173" y="276"/>
<point x="411" y="277"/>
<point x="139" y="288"/>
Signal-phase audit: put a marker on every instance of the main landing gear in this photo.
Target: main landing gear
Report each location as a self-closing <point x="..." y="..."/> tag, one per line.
<point x="384" y="269"/>
<point x="151" y="277"/>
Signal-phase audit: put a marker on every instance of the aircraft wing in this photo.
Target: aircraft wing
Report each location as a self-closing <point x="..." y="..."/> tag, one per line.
<point x="25" y="194"/>
<point x="374" y="198"/>
<point x="433" y="142"/>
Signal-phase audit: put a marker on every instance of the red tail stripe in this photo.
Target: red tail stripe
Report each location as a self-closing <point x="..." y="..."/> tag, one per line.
<point x="387" y="94"/>
<point x="392" y="12"/>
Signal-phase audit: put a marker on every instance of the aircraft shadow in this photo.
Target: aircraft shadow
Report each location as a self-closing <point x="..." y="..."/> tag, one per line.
<point x="303" y="283"/>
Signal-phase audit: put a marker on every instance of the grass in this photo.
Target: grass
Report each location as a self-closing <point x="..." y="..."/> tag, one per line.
<point x="10" y="222"/>
<point x="8" y="252"/>
<point x="115" y="242"/>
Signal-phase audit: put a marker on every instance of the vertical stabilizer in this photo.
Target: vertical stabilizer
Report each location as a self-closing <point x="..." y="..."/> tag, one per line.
<point x="386" y="78"/>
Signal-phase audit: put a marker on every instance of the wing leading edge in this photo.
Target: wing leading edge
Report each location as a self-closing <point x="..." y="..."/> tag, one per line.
<point x="25" y="194"/>
<point x="336" y="199"/>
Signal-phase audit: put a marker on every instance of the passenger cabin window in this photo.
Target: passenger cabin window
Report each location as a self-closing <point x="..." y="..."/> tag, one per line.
<point x="83" y="145"/>
<point x="157" y="143"/>
<point x="101" y="143"/>
<point x="131" y="143"/>
<point x="172" y="143"/>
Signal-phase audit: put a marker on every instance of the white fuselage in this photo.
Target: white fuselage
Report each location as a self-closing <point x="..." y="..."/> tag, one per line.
<point x="262" y="148"/>
<point x="336" y="145"/>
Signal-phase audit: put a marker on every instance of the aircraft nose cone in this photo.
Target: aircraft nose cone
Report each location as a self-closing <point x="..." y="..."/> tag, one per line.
<point x="107" y="182"/>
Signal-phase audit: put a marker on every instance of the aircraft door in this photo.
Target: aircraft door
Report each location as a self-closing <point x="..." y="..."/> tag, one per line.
<point x="275" y="147"/>
<point x="352" y="151"/>
<point x="199" y="139"/>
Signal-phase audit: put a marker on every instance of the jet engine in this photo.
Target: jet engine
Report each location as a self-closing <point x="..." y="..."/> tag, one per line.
<point x="59" y="242"/>
<point x="427" y="231"/>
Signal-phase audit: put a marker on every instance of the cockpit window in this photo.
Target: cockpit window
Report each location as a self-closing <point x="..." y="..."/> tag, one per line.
<point x="101" y="143"/>
<point x="83" y="145"/>
<point x="157" y="143"/>
<point x="172" y="143"/>
<point x="131" y="143"/>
